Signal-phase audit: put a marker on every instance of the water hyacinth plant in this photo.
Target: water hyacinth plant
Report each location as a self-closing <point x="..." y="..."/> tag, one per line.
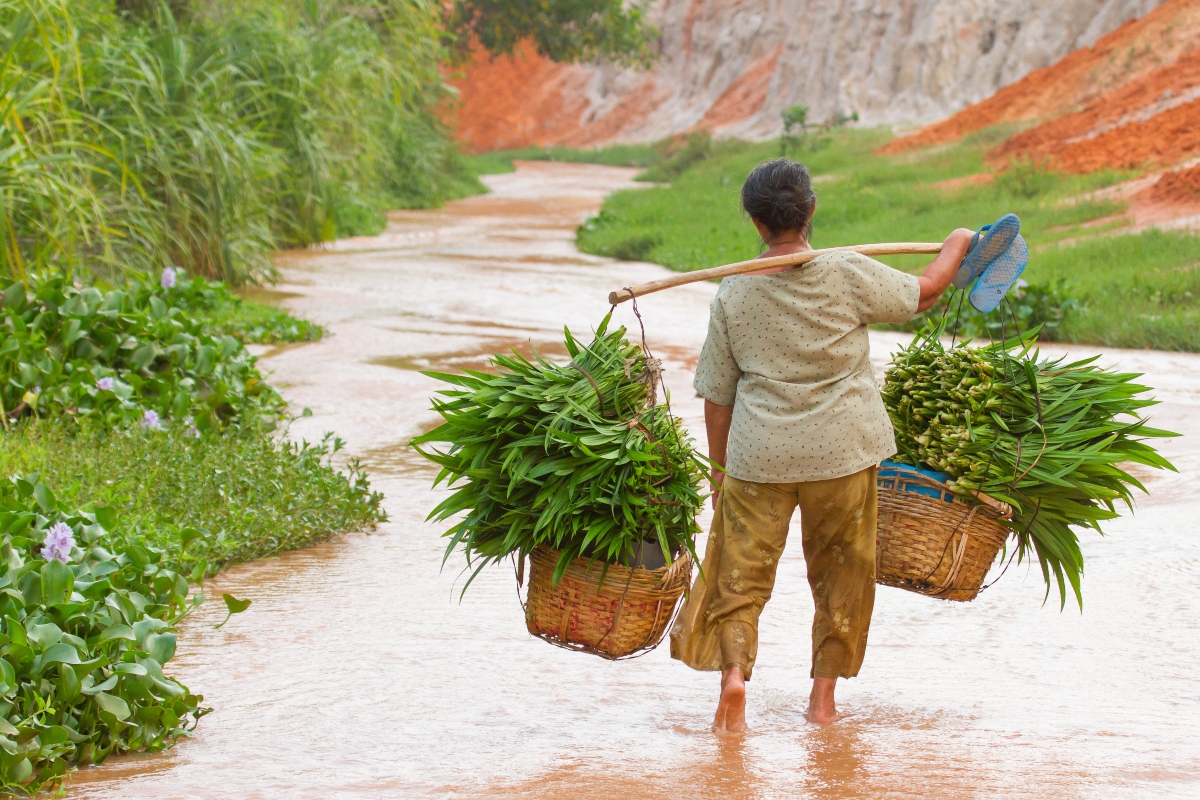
<point x="576" y="456"/>
<point x="1049" y="438"/>
<point x="59" y="542"/>
<point x="135" y="355"/>
<point x="84" y="636"/>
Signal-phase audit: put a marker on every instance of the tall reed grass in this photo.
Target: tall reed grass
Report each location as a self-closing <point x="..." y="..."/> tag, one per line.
<point x="130" y="139"/>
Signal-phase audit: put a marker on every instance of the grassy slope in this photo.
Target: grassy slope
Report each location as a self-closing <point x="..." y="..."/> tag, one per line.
<point x="1137" y="290"/>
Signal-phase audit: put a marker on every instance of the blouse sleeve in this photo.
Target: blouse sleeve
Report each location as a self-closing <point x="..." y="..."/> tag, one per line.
<point x="881" y="294"/>
<point x="717" y="373"/>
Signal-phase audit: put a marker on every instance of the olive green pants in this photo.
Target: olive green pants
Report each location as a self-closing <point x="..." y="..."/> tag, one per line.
<point x="718" y="626"/>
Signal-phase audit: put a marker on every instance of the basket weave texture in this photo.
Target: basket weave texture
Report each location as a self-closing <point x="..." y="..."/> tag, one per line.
<point x="625" y="616"/>
<point x="931" y="541"/>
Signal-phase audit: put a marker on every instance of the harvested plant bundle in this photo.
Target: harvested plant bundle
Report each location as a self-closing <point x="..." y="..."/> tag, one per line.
<point x="576" y="456"/>
<point x="1047" y="437"/>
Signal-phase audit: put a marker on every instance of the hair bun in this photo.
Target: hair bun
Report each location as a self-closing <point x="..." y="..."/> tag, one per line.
<point x="779" y="194"/>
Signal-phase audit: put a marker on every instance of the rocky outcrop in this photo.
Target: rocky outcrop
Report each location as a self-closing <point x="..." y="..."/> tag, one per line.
<point x="732" y="65"/>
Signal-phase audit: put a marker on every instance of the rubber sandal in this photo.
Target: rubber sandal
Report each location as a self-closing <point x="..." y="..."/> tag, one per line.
<point x="989" y="242"/>
<point x="999" y="276"/>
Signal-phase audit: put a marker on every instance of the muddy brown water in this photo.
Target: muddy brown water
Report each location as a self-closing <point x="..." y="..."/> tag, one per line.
<point x="357" y="673"/>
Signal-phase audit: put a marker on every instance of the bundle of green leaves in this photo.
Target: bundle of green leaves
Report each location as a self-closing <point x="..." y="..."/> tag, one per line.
<point x="576" y="456"/>
<point x="1047" y="437"/>
<point x="85" y="636"/>
<point x="124" y="355"/>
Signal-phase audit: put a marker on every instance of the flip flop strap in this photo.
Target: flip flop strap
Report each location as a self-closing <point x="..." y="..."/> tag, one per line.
<point x="975" y="239"/>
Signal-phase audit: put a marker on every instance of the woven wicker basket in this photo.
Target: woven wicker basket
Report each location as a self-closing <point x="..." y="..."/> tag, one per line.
<point x="931" y="541"/>
<point x="626" y="615"/>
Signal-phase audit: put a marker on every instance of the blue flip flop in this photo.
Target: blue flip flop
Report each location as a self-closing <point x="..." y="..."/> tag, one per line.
<point x="999" y="276"/>
<point x="988" y="243"/>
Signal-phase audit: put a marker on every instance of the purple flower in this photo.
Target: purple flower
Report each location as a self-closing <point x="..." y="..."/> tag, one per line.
<point x="193" y="432"/>
<point x="1021" y="284"/>
<point x="105" y="384"/>
<point x="168" y="278"/>
<point x="150" y="420"/>
<point x="36" y="390"/>
<point x="58" y="543"/>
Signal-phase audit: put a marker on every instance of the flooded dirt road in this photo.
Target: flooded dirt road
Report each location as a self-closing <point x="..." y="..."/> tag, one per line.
<point x="357" y="673"/>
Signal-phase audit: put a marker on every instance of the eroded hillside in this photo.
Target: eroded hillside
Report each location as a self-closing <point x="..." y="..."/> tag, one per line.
<point x="732" y="65"/>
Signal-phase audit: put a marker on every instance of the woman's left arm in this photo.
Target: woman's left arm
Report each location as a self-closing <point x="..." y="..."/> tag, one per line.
<point x="938" y="275"/>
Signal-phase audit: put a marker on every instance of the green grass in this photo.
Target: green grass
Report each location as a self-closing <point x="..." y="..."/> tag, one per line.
<point x="230" y="497"/>
<point x="1134" y="290"/>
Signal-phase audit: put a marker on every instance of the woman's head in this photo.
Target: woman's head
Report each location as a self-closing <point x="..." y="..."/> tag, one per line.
<point x="779" y="195"/>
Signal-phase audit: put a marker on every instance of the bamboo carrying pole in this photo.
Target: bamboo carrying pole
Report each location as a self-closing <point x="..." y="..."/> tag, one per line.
<point x="753" y="265"/>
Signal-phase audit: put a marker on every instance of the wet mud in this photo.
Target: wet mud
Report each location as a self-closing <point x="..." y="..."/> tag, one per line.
<point x="359" y="673"/>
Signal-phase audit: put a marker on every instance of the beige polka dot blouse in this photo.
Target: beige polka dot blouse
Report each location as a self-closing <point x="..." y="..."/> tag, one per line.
<point x="789" y="352"/>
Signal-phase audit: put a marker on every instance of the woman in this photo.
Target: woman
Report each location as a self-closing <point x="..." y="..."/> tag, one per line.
<point x="794" y="418"/>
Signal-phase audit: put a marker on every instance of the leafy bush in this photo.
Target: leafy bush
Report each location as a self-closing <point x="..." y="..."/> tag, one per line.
<point x="224" y="313"/>
<point x="86" y="634"/>
<point x="679" y="154"/>
<point x="635" y="248"/>
<point x="613" y="155"/>
<point x="1025" y="307"/>
<point x="123" y="355"/>
<point x="1026" y="179"/>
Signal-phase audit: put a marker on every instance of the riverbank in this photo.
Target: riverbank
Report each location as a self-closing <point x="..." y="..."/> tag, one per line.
<point x="366" y="641"/>
<point x="1128" y="287"/>
<point x="140" y="454"/>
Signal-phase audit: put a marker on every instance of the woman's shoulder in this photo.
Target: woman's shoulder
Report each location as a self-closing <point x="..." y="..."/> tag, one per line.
<point x="844" y="258"/>
<point x="852" y="263"/>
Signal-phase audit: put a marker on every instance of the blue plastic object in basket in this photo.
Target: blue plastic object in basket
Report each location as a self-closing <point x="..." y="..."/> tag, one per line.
<point x="894" y="469"/>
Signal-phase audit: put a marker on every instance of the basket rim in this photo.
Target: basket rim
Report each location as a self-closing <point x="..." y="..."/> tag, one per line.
<point x="655" y="579"/>
<point x="902" y="479"/>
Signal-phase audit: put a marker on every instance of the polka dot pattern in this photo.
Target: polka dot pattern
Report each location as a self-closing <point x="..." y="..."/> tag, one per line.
<point x="789" y="351"/>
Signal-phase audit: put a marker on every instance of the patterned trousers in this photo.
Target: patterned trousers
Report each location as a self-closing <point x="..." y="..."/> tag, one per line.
<point x="718" y="626"/>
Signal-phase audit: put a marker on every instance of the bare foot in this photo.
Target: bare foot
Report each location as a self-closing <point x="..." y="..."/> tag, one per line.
<point x="821" y="709"/>
<point x="731" y="710"/>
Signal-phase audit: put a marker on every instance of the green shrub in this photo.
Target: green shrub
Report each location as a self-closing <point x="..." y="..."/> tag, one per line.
<point x="679" y="154"/>
<point x="84" y="641"/>
<point x="123" y="356"/>
<point x="224" y="313"/>
<point x="635" y="248"/>
<point x="1026" y="179"/>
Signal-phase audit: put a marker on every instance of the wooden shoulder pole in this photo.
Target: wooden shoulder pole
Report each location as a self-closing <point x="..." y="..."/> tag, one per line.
<point x="887" y="249"/>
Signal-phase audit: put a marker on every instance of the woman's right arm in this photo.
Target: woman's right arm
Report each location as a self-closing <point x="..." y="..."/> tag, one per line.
<point x="938" y="275"/>
<point x="717" y="420"/>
